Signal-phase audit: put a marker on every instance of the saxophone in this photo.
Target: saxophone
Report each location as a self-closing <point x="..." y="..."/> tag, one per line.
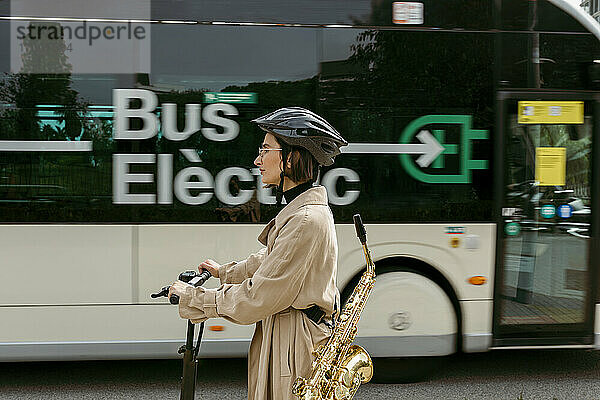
<point x="339" y="366"/>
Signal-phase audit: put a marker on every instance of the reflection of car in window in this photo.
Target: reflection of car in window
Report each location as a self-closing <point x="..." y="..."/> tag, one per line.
<point x="557" y="196"/>
<point x="529" y="198"/>
<point x="522" y="196"/>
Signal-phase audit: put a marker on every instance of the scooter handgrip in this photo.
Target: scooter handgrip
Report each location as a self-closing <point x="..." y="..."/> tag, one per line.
<point x="196" y="281"/>
<point x="204" y="276"/>
<point x="200" y="279"/>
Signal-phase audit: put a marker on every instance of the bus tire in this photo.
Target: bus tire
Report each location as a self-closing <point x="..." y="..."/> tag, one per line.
<point x="408" y="326"/>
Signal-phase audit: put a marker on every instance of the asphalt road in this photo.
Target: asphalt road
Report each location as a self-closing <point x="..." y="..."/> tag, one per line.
<point x="509" y="375"/>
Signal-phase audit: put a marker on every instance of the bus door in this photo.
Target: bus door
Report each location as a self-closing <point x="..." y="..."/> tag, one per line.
<point x="543" y="288"/>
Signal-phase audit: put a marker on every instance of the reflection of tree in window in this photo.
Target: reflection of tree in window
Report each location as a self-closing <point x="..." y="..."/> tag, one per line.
<point x="44" y="80"/>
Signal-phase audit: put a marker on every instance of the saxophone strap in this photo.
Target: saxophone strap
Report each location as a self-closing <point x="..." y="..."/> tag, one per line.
<point x="316" y="315"/>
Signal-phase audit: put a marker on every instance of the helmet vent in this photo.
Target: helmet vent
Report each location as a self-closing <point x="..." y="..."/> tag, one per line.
<point x="328" y="148"/>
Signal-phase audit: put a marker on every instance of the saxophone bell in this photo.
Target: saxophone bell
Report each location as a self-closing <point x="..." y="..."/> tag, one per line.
<point x="356" y="369"/>
<point x="358" y="364"/>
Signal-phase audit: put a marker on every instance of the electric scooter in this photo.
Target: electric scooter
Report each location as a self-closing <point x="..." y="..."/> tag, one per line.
<point x="190" y="352"/>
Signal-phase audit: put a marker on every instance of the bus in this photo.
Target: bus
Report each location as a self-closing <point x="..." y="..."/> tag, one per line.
<point x="126" y="154"/>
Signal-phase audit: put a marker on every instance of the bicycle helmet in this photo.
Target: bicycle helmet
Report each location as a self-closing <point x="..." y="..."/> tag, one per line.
<point x="298" y="126"/>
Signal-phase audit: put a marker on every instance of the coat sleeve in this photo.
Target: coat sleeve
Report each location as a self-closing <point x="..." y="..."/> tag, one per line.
<point x="272" y="288"/>
<point x="236" y="272"/>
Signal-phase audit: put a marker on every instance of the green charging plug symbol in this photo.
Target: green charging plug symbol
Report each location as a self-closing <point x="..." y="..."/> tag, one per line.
<point x="467" y="135"/>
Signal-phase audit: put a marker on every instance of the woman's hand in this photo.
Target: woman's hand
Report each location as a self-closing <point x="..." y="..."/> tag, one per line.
<point x="212" y="267"/>
<point x="178" y="288"/>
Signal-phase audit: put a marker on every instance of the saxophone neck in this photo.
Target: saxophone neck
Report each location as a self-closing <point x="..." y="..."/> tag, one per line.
<point x="370" y="264"/>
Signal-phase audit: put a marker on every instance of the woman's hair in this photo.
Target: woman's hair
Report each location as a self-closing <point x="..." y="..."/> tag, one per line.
<point x="304" y="167"/>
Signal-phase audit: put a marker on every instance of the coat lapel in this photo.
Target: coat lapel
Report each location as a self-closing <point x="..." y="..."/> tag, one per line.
<point x="264" y="235"/>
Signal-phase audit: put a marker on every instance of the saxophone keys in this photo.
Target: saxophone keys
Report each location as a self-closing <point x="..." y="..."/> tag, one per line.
<point x="304" y="391"/>
<point x="299" y="387"/>
<point x="346" y="378"/>
<point x="319" y="350"/>
<point x="341" y="392"/>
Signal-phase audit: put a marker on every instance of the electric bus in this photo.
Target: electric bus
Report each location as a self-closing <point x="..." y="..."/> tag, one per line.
<point x="126" y="157"/>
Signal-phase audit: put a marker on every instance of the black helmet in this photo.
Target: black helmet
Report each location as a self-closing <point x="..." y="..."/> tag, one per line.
<point x="298" y="126"/>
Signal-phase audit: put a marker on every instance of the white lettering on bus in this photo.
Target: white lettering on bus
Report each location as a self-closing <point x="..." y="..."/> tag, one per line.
<point x="169" y="121"/>
<point x="192" y="185"/>
<point x="196" y="178"/>
<point x="222" y="186"/>
<point x="122" y="178"/>
<point x="184" y="183"/>
<point x="164" y="179"/>
<point x="123" y="114"/>
<point x="211" y="115"/>
<point x="330" y="179"/>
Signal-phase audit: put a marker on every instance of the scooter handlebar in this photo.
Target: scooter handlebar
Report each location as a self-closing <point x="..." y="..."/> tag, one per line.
<point x="193" y="278"/>
<point x="198" y="280"/>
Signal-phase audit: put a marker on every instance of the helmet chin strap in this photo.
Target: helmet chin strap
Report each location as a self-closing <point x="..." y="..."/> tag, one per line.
<point x="279" y="190"/>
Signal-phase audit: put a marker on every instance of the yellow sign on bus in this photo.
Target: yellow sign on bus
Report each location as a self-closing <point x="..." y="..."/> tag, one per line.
<point x="550" y="165"/>
<point x="550" y="112"/>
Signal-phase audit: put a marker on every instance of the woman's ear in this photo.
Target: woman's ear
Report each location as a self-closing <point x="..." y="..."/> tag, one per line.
<point x="289" y="161"/>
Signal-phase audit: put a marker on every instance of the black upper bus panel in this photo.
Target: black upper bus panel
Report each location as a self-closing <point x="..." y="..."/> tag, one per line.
<point x="511" y="15"/>
<point x="519" y="14"/>
<point x="446" y="14"/>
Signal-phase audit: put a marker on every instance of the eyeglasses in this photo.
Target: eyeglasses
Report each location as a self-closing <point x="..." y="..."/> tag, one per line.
<point x="262" y="151"/>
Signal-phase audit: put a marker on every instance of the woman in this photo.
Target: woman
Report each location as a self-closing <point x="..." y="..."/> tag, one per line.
<point x="288" y="288"/>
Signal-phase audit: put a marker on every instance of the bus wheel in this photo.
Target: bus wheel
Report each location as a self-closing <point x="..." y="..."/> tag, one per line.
<point x="408" y="326"/>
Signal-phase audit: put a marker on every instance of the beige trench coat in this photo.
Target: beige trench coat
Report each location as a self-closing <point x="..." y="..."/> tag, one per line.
<point x="295" y="270"/>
